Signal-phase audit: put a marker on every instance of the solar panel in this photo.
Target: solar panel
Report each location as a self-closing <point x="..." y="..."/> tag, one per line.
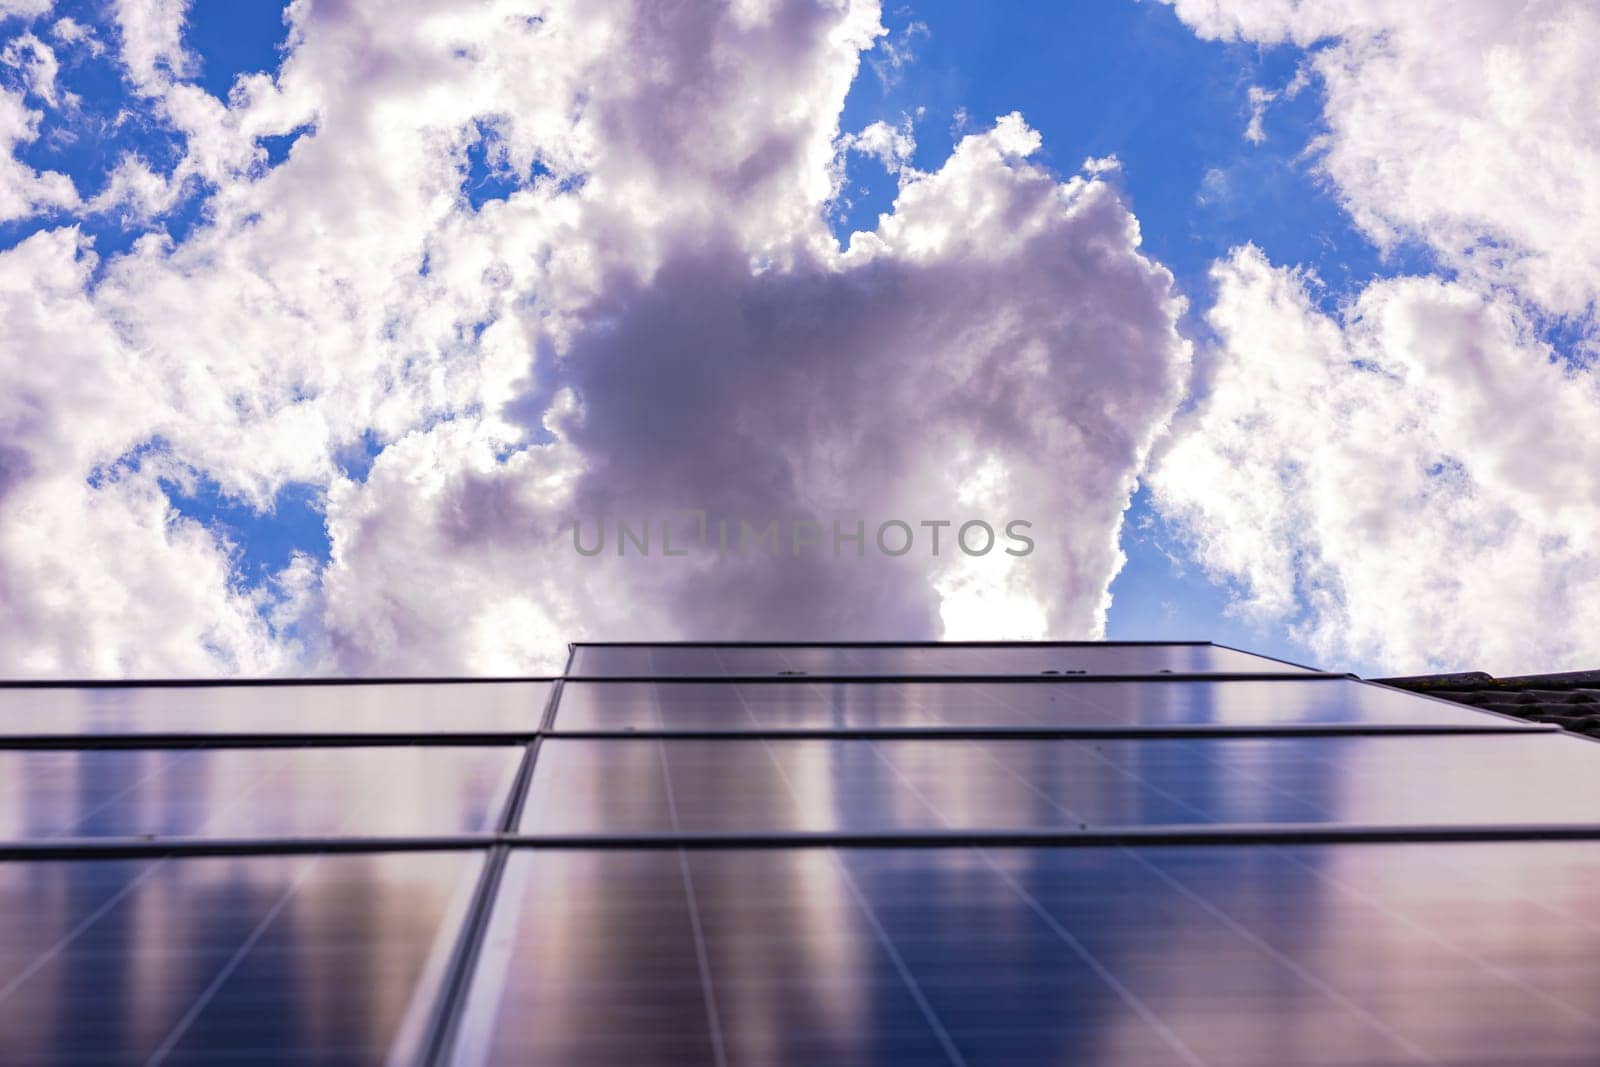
<point x="755" y="786"/>
<point x="261" y="959"/>
<point x="613" y="661"/>
<point x="252" y="792"/>
<point x="1335" y="954"/>
<point x="409" y="708"/>
<point x="803" y="705"/>
<point x="311" y="872"/>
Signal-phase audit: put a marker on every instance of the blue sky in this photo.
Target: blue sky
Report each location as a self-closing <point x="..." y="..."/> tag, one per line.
<point x="1130" y="80"/>
<point x="1125" y="78"/>
<point x="230" y="38"/>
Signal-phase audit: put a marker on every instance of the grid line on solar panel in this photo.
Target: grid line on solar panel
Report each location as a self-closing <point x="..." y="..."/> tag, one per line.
<point x="269" y="959"/>
<point x="1051" y="836"/>
<point x="166" y="794"/>
<point x="932" y="708"/>
<point x="708" y="995"/>
<point x="462" y="707"/>
<point x="928" y="659"/>
<point x="810" y="705"/>
<point x="445" y="1011"/>
<point x="1214" y="955"/>
<point x="909" y="980"/>
<point x="751" y="786"/>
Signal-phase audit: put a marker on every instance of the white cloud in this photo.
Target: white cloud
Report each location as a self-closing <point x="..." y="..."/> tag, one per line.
<point x="70" y="31"/>
<point x="98" y="575"/>
<point x="895" y="52"/>
<point x="1466" y="125"/>
<point x="23" y="190"/>
<point x="1215" y="187"/>
<point x="1255" y="132"/>
<point x="1412" y="481"/>
<point x="152" y="48"/>
<point x="893" y="146"/>
<point x="136" y="190"/>
<point x="660" y="319"/>
<point x="36" y="62"/>
<point x="26" y="9"/>
<point x="949" y="365"/>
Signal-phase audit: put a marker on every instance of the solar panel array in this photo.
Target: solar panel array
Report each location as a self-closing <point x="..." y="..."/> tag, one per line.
<point x="753" y="854"/>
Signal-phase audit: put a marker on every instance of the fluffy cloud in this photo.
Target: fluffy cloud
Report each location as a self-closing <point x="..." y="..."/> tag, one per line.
<point x="1410" y="481"/>
<point x="24" y="8"/>
<point x="23" y="190"/>
<point x="652" y="317"/>
<point x="950" y="365"/>
<point x="97" y="574"/>
<point x="1465" y="125"/>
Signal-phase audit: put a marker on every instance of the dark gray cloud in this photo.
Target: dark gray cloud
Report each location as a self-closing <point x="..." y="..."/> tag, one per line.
<point x="1013" y="362"/>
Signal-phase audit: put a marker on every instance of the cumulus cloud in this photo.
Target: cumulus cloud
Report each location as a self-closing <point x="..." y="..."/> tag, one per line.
<point x="952" y="364"/>
<point x="1255" y="132"/>
<point x="71" y="32"/>
<point x="36" y="62"/>
<point x="23" y="8"/>
<point x="895" y="52"/>
<point x="1409" y="483"/>
<point x="1465" y="125"/>
<point x="98" y="575"/>
<point x="893" y="146"/>
<point x="152" y="48"/>
<point x="653" y="317"/>
<point x="25" y="191"/>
